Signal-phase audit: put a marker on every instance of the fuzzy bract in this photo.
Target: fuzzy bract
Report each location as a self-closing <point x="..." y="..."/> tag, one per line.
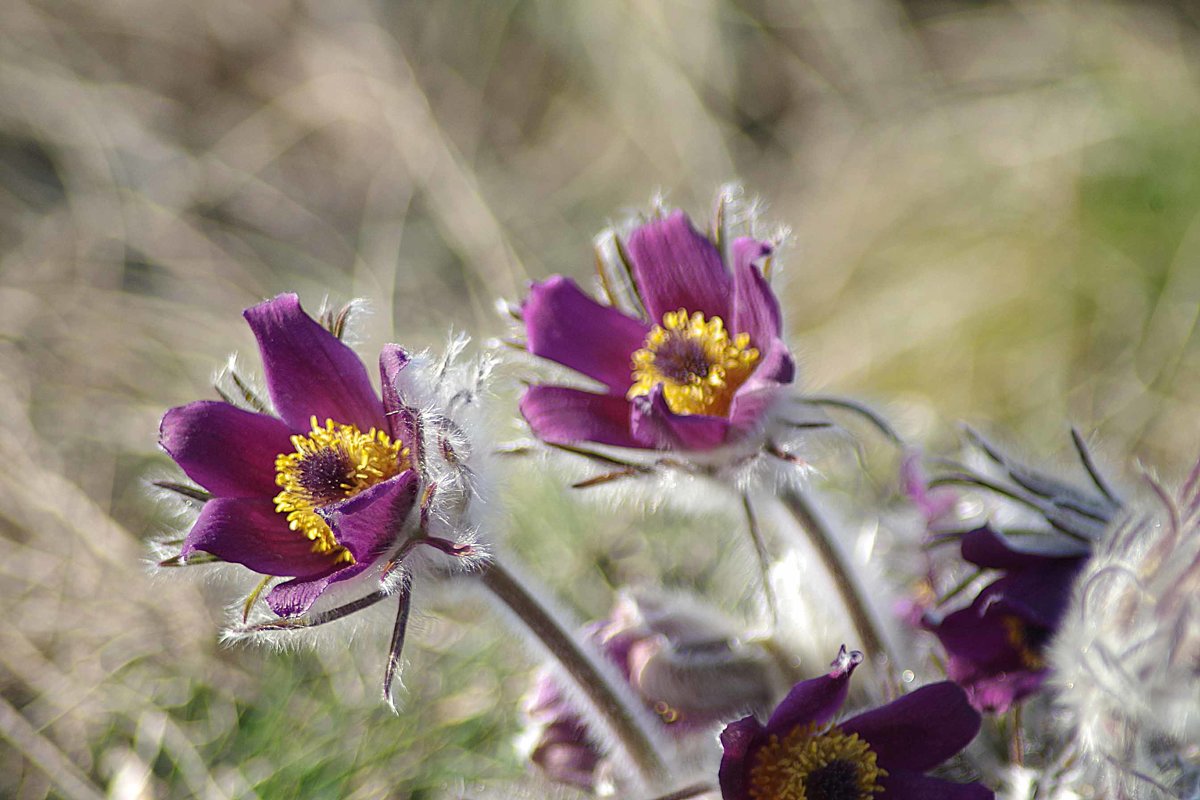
<point x="693" y="361"/>
<point x="317" y="494"/>
<point x="801" y="752"/>
<point x="1127" y="657"/>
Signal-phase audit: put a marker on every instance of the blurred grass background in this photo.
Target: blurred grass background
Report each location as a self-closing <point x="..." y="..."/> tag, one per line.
<point x="994" y="209"/>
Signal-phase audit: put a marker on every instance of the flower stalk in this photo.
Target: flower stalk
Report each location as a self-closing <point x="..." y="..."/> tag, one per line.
<point x="820" y="537"/>
<point x="618" y="710"/>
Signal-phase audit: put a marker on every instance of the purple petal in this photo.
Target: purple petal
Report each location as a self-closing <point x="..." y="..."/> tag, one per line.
<point x="309" y="372"/>
<point x="905" y="785"/>
<point x="995" y="694"/>
<point x="814" y="701"/>
<point x="738" y="741"/>
<point x="983" y="658"/>
<point x="226" y="450"/>
<point x="248" y="531"/>
<point x="755" y="307"/>
<point x="565" y="325"/>
<point x="297" y="595"/>
<point x="392" y="361"/>
<point x="564" y="753"/>
<point x="920" y="730"/>
<point x="986" y="548"/>
<point x="569" y="416"/>
<point x="655" y="425"/>
<point x="755" y="397"/>
<point x="973" y="636"/>
<point x="675" y="267"/>
<point x="1038" y="595"/>
<point x="371" y="520"/>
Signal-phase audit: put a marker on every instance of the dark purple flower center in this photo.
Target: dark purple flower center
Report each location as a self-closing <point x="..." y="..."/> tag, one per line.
<point x="681" y="358"/>
<point x="332" y="463"/>
<point x="326" y="475"/>
<point x="813" y="762"/>
<point x="837" y="780"/>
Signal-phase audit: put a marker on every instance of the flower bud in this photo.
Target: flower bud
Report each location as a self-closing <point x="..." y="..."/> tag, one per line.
<point x="681" y="658"/>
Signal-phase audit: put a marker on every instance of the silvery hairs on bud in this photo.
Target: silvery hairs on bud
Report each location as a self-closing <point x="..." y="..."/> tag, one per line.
<point x="1127" y="658"/>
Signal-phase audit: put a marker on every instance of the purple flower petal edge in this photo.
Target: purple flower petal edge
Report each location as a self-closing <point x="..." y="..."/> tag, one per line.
<point x="755" y="307"/>
<point x="561" y="415"/>
<point x="676" y="266"/>
<point x="919" y="730"/>
<point x="366" y="523"/>
<point x="654" y="424"/>
<point x="229" y="451"/>
<point x="737" y="741"/>
<point x="909" y="785"/>
<point x="817" y="700"/>
<point x="248" y="531"/>
<point x="309" y="372"/>
<point x="565" y="325"/>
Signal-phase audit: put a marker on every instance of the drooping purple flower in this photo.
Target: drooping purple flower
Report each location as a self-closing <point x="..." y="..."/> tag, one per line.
<point x="801" y="753"/>
<point x="995" y="646"/>
<point x="679" y="657"/>
<point x="317" y="494"/>
<point x="693" y="363"/>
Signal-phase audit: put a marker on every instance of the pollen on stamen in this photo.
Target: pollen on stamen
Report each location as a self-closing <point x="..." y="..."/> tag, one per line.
<point x="815" y="763"/>
<point x="332" y="463"/>
<point x="699" y="365"/>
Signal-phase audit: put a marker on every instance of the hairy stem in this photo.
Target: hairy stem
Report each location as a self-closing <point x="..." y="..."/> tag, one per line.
<point x="689" y="792"/>
<point x="838" y="568"/>
<point x="618" y="710"/>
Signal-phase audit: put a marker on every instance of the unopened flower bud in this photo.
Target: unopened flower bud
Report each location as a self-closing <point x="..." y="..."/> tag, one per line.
<point x="681" y="658"/>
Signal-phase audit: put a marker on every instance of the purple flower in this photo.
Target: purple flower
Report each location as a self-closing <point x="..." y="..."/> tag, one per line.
<point x="996" y="645"/>
<point x="695" y="364"/>
<point x="801" y="753"/>
<point x="317" y="494"/>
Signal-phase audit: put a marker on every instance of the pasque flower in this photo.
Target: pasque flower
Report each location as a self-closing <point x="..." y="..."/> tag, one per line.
<point x="996" y="645"/>
<point x="802" y="754"/>
<point x="317" y="494"/>
<point x="690" y="358"/>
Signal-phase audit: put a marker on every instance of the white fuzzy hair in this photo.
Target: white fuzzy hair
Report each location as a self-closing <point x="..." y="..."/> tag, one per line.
<point x="1127" y="657"/>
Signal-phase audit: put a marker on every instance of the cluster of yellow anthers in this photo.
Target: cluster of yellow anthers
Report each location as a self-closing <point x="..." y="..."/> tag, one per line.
<point x="332" y="463"/>
<point x="1017" y="630"/>
<point x="698" y="364"/>
<point x="815" y="760"/>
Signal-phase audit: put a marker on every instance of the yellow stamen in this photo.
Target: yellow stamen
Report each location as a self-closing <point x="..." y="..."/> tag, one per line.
<point x="332" y="463"/>
<point x="698" y="364"/>
<point x="815" y="762"/>
<point x="1018" y="637"/>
